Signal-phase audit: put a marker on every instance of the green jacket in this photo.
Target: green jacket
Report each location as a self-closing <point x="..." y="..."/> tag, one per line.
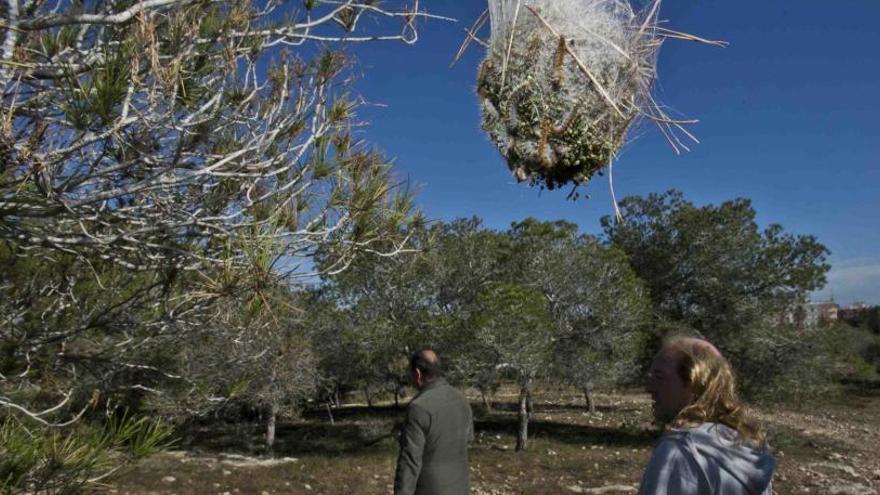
<point x="433" y="444"/>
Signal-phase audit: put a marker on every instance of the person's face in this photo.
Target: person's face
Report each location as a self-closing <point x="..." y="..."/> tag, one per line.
<point x="669" y="392"/>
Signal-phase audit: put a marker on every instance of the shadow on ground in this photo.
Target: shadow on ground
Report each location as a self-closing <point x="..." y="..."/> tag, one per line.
<point x="866" y="388"/>
<point x="512" y="407"/>
<point x="292" y="438"/>
<point x="574" y="434"/>
<point x="361" y="429"/>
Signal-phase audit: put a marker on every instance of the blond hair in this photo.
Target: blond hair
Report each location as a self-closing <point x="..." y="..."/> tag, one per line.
<point x="710" y="379"/>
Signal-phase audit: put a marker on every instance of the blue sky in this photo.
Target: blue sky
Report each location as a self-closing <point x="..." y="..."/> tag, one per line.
<point x="788" y="118"/>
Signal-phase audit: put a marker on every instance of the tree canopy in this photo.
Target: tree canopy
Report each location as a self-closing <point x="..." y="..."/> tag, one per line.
<point x="711" y="267"/>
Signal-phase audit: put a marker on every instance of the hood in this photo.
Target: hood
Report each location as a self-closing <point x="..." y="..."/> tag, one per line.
<point x="724" y="458"/>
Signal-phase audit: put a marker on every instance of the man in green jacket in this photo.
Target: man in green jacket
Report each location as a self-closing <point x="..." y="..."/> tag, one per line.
<point x="433" y="444"/>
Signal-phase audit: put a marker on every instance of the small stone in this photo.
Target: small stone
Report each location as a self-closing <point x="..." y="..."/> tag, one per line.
<point x="575" y="489"/>
<point x="307" y="486"/>
<point x="169" y="479"/>
<point x="226" y="472"/>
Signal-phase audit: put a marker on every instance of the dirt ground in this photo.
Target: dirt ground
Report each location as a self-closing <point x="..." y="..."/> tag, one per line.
<point x="832" y="449"/>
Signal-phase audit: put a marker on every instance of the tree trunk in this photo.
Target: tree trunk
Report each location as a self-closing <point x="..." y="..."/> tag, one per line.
<point x="330" y="413"/>
<point x="589" y="400"/>
<point x="530" y="406"/>
<point x="336" y="397"/>
<point x="270" y="427"/>
<point x="397" y="397"/>
<point x="522" y="433"/>
<point x="486" y="404"/>
<point x="369" y="397"/>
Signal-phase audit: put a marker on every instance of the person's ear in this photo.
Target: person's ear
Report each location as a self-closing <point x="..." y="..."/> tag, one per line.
<point x="418" y="375"/>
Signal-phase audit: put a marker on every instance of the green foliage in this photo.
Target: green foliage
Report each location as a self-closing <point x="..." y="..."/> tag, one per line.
<point x="140" y="255"/>
<point x="139" y="436"/>
<point x="711" y="267"/>
<point x="535" y="300"/>
<point x="868" y="319"/>
<point x="122" y="240"/>
<point x="101" y="93"/>
<point x="48" y="460"/>
<point x="711" y="271"/>
<point x="260" y="339"/>
<point x="821" y="361"/>
<point x="512" y="322"/>
<point x="598" y="304"/>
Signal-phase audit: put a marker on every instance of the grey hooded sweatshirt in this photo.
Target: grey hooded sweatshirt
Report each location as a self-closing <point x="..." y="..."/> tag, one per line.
<point x="707" y="459"/>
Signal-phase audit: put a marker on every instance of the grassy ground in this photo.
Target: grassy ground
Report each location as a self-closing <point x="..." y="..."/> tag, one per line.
<point x="832" y="449"/>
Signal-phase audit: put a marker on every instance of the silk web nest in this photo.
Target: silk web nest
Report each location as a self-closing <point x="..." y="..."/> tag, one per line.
<point x="564" y="81"/>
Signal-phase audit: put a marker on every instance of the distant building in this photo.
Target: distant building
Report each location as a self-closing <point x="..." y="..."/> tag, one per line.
<point x="820" y="312"/>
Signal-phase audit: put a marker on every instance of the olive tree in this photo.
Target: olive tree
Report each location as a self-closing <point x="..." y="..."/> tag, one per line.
<point x="512" y="324"/>
<point x="597" y="304"/>
<point x="257" y="353"/>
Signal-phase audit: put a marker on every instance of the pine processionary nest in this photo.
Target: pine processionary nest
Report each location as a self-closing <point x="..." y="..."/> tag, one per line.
<point x="564" y="80"/>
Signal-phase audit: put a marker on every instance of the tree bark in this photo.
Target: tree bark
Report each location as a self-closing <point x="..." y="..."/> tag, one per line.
<point x="486" y="403"/>
<point x="330" y="413"/>
<point x="270" y="427"/>
<point x="589" y="400"/>
<point x="522" y="433"/>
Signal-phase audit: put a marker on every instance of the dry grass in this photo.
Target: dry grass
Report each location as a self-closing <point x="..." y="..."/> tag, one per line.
<point x="820" y="450"/>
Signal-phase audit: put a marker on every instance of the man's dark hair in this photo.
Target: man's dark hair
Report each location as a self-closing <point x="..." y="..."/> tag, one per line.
<point x="427" y="362"/>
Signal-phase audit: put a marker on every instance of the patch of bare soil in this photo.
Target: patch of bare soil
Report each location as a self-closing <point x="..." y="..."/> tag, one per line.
<point x="832" y="448"/>
<point x="825" y="449"/>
